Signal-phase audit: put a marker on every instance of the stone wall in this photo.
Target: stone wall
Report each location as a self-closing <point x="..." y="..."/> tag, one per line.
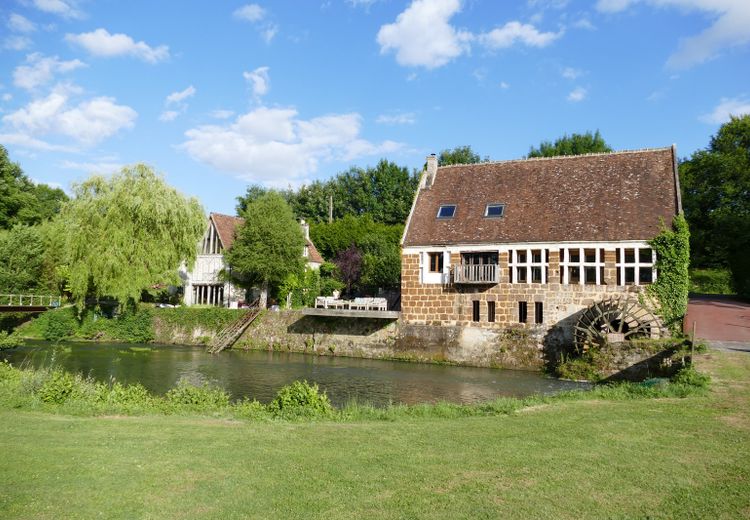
<point x="452" y="305"/>
<point x="390" y="339"/>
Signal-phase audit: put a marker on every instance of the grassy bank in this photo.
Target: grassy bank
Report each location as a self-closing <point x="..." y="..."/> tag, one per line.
<point x="565" y="458"/>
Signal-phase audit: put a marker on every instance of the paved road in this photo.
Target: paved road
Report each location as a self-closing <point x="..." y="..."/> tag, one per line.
<point x="723" y="322"/>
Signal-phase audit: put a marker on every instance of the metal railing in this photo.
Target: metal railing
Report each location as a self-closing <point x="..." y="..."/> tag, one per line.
<point x="476" y="273"/>
<point x="29" y="300"/>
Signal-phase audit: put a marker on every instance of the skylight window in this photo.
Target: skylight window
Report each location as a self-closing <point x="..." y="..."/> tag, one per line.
<point x="446" y="211"/>
<point x="494" y="210"/>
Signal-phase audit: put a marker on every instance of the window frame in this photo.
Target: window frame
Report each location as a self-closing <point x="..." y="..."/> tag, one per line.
<point x="440" y="210"/>
<point x="529" y="264"/>
<point x="494" y="205"/>
<point x="566" y="263"/>
<point x="622" y="265"/>
<point x="440" y="261"/>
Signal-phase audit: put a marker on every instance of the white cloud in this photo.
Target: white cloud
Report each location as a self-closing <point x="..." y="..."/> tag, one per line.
<point x="727" y="107"/>
<point x="102" y="166"/>
<point x="101" y="43"/>
<point x="571" y="73"/>
<point x="276" y="147"/>
<point x="222" y="114"/>
<point x="88" y="123"/>
<point x="399" y="118"/>
<point x="577" y="94"/>
<point x="31" y="143"/>
<point x="422" y="35"/>
<point x="584" y="23"/>
<point x="176" y="100"/>
<point x="730" y="27"/>
<point x="504" y="85"/>
<point x="18" y="23"/>
<point x="17" y="43"/>
<point x="260" y="81"/>
<point x="516" y="32"/>
<point x="40" y="69"/>
<point x="169" y="115"/>
<point x="177" y="97"/>
<point x="58" y="7"/>
<point x="250" y="12"/>
<point x="7" y="96"/>
<point x="269" y="32"/>
<point x="362" y="3"/>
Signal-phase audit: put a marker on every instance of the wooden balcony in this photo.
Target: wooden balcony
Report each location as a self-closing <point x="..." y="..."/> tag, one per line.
<point x="476" y="274"/>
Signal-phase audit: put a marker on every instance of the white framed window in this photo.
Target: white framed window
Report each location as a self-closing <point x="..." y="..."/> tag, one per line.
<point x="495" y="210"/>
<point x="446" y="211"/>
<point x="635" y="265"/>
<point x="528" y="265"/>
<point x="582" y="266"/>
<point x="434" y="267"/>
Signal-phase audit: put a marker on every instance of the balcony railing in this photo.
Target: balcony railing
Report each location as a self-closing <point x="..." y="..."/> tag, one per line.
<point x="476" y="273"/>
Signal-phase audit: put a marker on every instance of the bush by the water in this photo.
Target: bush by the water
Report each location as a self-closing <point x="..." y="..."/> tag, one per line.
<point x="300" y="399"/>
<point x="9" y="340"/>
<point x="54" y="390"/>
<point x="56" y="325"/>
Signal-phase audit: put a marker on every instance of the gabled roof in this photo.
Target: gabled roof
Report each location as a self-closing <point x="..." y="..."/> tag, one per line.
<point x="226" y="227"/>
<point x="313" y="255"/>
<point x="596" y="197"/>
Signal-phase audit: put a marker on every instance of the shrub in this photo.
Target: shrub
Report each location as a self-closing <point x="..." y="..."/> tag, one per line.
<point x="59" y="387"/>
<point x="300" y="399"/>
<point x="126" y="396"/>
<point x="59" y="324"/>
<point x="9" y="341"/>
<point x="250" y="409"/>
<point x="711" y="281"/>
<point x="185" y="394"/>
<point x="689" y="376"/>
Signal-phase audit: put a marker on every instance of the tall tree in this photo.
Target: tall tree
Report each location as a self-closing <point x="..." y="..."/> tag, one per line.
<point x="716" y="198"/>
<point x="268" y="246"/>
<point x="127" y="233"/>
<point x="573" y="144"/>
<point x="22" y="201"/>
<point x="459" y="155"/>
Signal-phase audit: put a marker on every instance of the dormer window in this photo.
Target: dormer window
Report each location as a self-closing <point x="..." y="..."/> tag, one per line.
<point x="446" y="211"/>
<point x="494" y="210"/>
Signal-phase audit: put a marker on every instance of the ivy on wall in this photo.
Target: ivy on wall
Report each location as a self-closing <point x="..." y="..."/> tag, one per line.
<point x="670" y="289"/>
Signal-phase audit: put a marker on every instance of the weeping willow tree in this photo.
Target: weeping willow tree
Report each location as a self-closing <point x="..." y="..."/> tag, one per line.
<point x="127" y="233"/>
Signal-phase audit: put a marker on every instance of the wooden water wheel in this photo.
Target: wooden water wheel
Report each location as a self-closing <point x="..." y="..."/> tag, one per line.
<point x="615" y="320"/>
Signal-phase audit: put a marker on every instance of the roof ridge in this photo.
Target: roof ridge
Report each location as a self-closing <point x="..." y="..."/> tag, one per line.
<point x="531" y="159"/>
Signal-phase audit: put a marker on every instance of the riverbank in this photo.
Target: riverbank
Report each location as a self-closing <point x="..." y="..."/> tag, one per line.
<point x="590" y="458"/>
<point x="386" y="339"/>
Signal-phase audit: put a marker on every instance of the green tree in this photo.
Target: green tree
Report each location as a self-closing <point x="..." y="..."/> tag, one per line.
<point x="22" y="201"/>
<point x="716" y="197"/>
<point x="460" y="155"/>
<point x="268" y="247"/>
<point x="573" y="144"/>
<point x="127" y="233"/>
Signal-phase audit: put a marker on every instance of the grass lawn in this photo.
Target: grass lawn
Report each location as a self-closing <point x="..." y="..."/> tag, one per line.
<point x="655" y="458"/>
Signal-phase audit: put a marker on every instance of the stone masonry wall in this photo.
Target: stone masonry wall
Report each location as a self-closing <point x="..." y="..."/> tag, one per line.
<point x="451" y="305"/>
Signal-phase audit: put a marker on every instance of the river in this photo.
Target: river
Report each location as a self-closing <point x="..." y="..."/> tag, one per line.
<point x="259" y="374"/>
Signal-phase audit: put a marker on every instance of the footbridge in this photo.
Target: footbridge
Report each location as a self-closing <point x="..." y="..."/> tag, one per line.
<point x="28" y="302"/>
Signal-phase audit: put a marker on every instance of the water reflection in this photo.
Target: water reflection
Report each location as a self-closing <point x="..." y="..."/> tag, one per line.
<point x="259" y="375"/>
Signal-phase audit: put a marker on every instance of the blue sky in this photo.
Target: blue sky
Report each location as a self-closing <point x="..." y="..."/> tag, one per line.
<point x="222" y="94"/>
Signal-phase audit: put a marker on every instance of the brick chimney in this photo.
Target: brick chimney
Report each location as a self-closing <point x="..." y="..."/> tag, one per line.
<point x="432" y="165"/>
<point x="305" y="228"/>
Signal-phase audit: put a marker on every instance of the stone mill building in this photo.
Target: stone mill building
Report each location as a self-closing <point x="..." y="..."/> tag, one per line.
<point x="530" y="244"/>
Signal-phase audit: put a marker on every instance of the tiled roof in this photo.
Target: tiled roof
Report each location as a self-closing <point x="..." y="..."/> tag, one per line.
<point x="313" y="255"/>
<point x="227" y="225"/>
<point x="597" y="197"/>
